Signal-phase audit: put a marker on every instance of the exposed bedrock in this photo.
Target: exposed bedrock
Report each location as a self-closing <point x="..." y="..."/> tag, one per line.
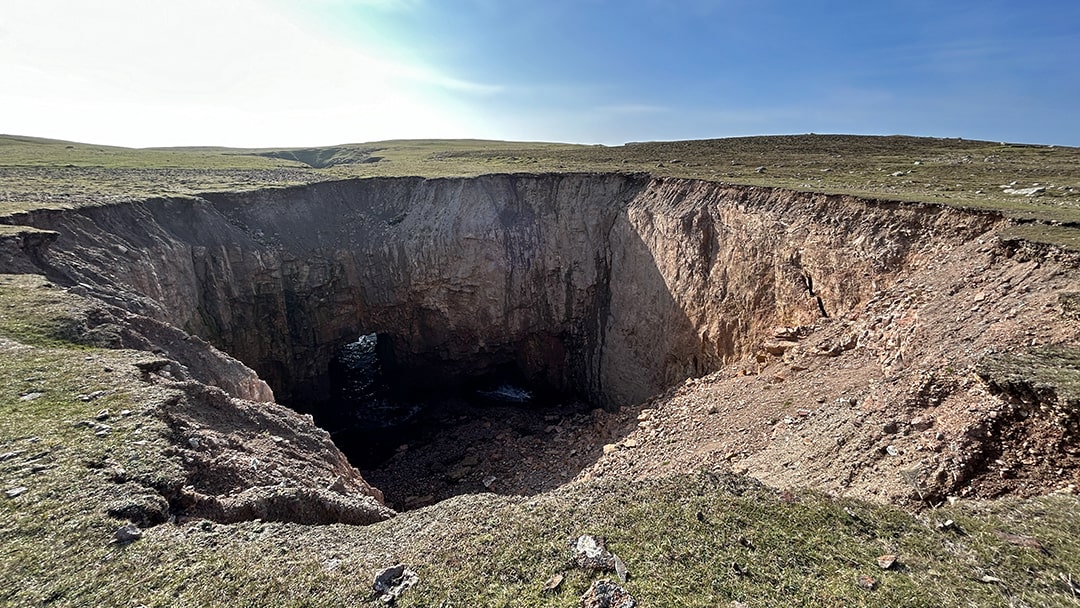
<point x="608" y="286"/>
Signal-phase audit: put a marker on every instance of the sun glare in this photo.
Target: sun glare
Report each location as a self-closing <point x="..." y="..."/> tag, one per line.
<point x="202" y="72"/>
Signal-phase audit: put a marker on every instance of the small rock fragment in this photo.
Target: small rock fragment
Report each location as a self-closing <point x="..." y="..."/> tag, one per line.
<point x="886" y="561"/>
<point x="553" y="583"/>
<point x="591" y="552"/>
<point x="867" y="582"/>
<point x="610" y="448"/>
<point x="949" y="526"/>
<point x="606" y="594"/>
<point x="1028" y="542"/>
<point x="15" y="492"/>
<point x="921" y="423"/>
<point x="1024" y="191"/>
<point x="620" y="568"/>
<point x="489" y="481"/>
<point x="31" y="396"/>
<point x="127" y="533"/>
<point x="778" y="347"/>
<point x="93" y="395"/>
<point x="391" y="582"/>
<point x="986" y="578"/>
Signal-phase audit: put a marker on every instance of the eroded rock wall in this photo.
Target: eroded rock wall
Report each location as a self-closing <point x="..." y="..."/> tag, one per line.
<point x="611" y="286"/>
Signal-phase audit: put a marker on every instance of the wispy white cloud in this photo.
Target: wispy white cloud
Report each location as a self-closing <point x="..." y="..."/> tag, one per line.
<point x="207" y="72"/>
<point x="385" y="5"/>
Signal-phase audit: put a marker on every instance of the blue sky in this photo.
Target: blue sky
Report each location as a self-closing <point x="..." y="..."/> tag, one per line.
<point x="315" y="72"/>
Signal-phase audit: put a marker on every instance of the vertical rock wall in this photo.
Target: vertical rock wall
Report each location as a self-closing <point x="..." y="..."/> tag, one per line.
<point x="611" y="286"/>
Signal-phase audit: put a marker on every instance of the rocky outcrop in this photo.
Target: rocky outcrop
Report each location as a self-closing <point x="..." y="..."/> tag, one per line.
<point x="610" y="286"/>
<point x="247" y="460"/>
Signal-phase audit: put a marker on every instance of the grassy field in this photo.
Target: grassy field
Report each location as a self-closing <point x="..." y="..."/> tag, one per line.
<point x="35" y="172"/>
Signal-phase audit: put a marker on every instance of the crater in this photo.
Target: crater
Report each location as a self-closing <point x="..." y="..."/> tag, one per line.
<point x="476" y="334"/>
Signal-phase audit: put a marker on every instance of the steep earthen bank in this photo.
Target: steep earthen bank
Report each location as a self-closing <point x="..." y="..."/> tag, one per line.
<point x="610" y="287"/>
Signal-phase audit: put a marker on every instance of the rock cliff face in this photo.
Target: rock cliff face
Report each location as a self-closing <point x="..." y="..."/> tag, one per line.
<point x="609" y="286"/>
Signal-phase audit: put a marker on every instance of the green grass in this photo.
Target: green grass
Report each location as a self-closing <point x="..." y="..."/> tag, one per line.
<point x="956" y="172"/>
<point x="35" y="312"/>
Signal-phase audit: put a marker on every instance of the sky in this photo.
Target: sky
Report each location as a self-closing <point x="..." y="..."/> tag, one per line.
<point x="262" y="73"/>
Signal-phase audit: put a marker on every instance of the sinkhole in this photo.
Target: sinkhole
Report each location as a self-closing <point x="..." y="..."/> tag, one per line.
<point x="474" y="334"/>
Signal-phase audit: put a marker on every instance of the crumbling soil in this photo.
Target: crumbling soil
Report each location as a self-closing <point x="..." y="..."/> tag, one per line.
<point x="883" y="403"/>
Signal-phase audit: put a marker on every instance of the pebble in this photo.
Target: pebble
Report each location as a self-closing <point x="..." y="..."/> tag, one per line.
<point x="886" y="561"/>
<point x="607" y="594"/>
<point x="391" y="582"/>
<point x="127" y="534"/>
<point x="591" y="552"/>
<point x="15" y="492"/>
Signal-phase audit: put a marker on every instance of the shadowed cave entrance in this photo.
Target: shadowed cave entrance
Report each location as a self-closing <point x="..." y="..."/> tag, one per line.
<point x="421" y="441"/>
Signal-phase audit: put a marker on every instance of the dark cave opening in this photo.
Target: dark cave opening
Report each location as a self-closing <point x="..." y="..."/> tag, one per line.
<point x="422" y="437"/>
